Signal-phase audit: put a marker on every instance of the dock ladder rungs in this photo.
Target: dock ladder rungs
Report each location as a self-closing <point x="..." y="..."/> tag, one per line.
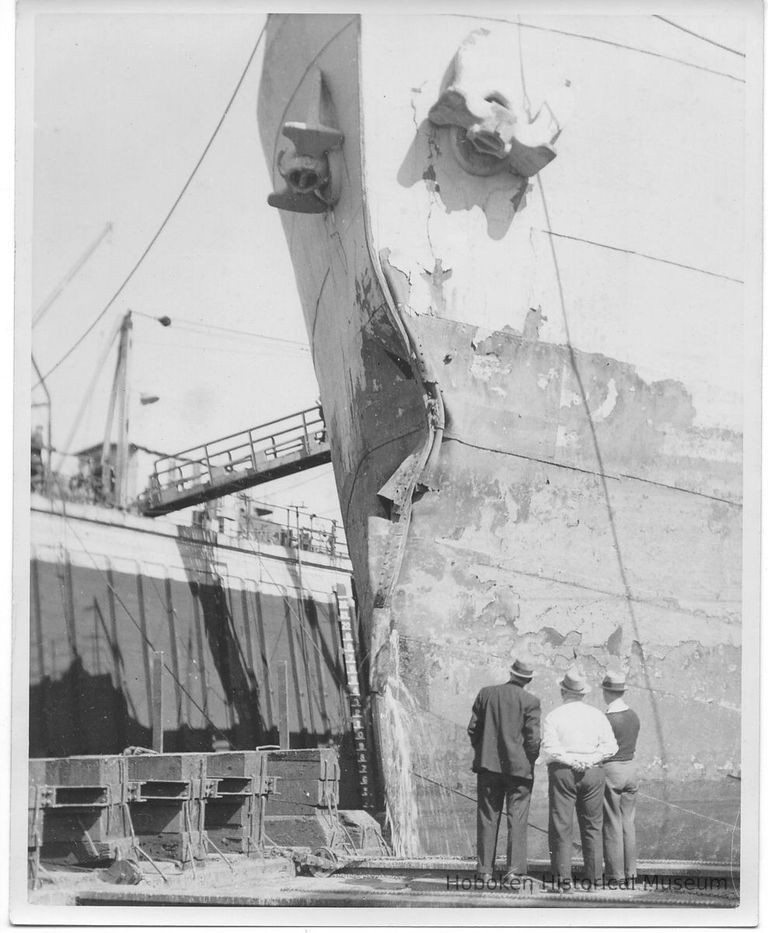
<point x="353" y="692"/>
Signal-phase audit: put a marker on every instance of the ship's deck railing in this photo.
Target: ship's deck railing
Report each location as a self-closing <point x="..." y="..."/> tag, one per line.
<point x="237" y="461"/>
<point x="292" y="527"/>
<point x="265" y="523"/>
<point x="242" y="450"/>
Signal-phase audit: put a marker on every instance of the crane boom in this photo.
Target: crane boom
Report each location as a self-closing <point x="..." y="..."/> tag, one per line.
<point x="70" y="275"/>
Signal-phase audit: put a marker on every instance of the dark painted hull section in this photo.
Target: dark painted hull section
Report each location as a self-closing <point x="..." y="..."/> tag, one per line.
<point x="696" y="817"/>
<point x="93" y="632"/>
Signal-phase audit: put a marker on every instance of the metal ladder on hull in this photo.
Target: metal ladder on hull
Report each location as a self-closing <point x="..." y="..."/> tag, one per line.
<point x="353" y="692"/>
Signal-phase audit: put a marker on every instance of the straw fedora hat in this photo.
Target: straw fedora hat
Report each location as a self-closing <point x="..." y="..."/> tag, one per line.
<point x="575" y="682"/>
<point x="615" y="681"/>
<point x="522" y="667"/>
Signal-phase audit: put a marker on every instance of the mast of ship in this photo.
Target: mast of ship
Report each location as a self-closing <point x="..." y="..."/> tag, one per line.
<point x="44" y="307"/>
<point x="48" y="459"/>
<point x="115" y="475"/>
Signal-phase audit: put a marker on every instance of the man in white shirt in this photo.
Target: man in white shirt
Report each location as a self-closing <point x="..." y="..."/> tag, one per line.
<point x="576" y="739"/>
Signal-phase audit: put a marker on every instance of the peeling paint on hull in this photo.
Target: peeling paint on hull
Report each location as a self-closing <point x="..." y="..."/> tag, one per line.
<point x="584" y="491"/>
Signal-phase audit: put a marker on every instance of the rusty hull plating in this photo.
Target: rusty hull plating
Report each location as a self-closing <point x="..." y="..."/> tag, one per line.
<point x="535" y="442"/>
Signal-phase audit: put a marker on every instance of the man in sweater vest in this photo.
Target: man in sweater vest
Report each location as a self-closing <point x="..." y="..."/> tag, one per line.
<point x="620" y="783"/>
<point x="504" y="732"/>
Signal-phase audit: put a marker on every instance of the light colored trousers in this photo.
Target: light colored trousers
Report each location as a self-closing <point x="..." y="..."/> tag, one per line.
<point x="619" y="848"/>
<point x="582" y="791"/>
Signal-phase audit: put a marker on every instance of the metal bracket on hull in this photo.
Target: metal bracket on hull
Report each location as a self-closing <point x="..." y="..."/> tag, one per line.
<point x="399" y="486"/>
<point x="435" y="406"/>
<point x="311" y="168"/>
<point x="490" y="132"/>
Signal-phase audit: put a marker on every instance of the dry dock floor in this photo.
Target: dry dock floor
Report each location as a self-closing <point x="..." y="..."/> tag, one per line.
<point x="388" y="883"/>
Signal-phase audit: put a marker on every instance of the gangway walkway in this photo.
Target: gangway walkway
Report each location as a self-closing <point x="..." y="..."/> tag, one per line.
<point x="236" y="462"/>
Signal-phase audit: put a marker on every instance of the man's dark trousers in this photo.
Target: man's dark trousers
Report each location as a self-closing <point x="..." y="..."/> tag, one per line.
<point x="569" y="789"/>
<point x="493" y="789"/>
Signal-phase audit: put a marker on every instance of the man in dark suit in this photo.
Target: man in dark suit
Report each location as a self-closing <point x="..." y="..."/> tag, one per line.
<point x="504" y="732"/>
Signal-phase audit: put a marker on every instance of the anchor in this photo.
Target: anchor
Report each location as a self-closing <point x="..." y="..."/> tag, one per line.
<point x="490" y="130"/>
<point x="311" y="168"/>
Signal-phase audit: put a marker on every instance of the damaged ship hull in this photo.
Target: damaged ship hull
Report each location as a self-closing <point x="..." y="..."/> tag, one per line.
<point x="533" y="401"/>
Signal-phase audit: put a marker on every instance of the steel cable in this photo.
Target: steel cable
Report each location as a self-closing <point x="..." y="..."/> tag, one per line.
<point x="168" y="216"/>
<point x="697" y="35"/>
